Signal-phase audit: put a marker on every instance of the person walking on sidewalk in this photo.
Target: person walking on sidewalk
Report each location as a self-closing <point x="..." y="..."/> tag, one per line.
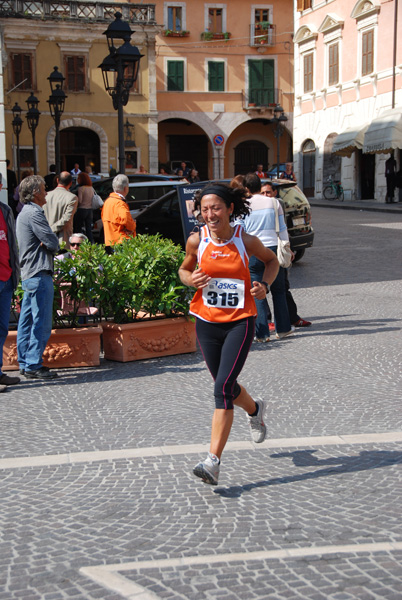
<point x="37" y="246"/>
<point x="216" y="263"/>
<point x="9" y="278"/>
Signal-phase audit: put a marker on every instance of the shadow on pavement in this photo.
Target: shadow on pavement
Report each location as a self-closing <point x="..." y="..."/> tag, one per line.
<point x="366" y="460"/>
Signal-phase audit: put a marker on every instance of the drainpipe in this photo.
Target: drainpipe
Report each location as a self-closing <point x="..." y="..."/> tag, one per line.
<point x="394" y="58"/>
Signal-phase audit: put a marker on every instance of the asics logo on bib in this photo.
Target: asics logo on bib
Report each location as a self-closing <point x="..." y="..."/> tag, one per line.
<point x="224" y="286"/>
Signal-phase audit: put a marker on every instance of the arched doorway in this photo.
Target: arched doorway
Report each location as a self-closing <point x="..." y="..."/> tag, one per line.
<point x="332" y="162"/>
<point x="308" y="152"/>
<point x="249" y="154"/>
<point x="79" y="145"/>
<point x="180" y="140"/>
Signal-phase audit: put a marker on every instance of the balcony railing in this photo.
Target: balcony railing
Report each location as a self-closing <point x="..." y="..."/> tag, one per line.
<point x="76" y="10"/>
<point x="262" y="35"/>
<point x="261" y="98"/>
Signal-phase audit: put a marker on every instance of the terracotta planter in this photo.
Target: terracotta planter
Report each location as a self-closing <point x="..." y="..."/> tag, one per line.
<point x="75" y="347"/>
<point x="148" y="339"/>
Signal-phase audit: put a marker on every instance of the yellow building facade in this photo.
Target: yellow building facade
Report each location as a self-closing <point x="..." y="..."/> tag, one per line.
<point x="221" y="68"/>
<point x="70" y="35"/>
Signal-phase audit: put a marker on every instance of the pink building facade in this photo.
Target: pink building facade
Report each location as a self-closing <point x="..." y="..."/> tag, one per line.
<point x="348" y="68"/>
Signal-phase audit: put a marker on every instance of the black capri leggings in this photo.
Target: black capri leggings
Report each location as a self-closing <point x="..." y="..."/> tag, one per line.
<point x="225" y="347"/>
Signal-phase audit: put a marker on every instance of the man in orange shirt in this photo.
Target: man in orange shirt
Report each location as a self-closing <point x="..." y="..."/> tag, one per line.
<point x="118" y="224"/>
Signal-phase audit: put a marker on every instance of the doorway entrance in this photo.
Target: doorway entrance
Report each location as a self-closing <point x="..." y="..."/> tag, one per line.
<point x="308" y="151"/>
<point x="79" y="145"/>
<point x="367" y="175"/>
<point x="248" y="155"/>
<point x="193" y="148"/>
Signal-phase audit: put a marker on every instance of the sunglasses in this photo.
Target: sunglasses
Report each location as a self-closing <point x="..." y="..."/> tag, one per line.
<point x="75" y="244"/>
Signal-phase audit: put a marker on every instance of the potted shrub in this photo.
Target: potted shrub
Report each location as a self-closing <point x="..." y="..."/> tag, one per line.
<point x="72" y="343"/>
<point x="143" y="301"/>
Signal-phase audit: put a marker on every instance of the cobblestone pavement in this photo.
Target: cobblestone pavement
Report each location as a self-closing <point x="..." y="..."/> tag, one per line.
<point x="98" y="500"/>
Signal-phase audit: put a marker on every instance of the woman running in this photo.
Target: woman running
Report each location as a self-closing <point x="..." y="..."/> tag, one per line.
<point x="216" y="263"/>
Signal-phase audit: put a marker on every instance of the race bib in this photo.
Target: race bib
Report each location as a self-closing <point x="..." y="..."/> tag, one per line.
<point x="224" y="293"/>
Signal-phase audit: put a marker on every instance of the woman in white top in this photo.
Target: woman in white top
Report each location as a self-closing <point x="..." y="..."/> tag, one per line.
<point x="261" y="223"/>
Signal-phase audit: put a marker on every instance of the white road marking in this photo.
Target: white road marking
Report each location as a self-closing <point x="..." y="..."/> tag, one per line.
<point x="132" y="453"/>
<point x="383" y="225"/>
<point x="109" y="575"/>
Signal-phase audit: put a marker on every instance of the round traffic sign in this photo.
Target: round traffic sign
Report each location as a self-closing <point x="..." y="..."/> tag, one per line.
<point x="219" y="140"/>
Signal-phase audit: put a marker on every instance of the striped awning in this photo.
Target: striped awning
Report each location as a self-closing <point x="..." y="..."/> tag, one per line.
<point x="349" y="140"/>
<point x="384" y="133"/>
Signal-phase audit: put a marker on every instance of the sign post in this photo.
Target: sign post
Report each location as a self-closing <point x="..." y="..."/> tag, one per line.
<point x="219" y="140"/>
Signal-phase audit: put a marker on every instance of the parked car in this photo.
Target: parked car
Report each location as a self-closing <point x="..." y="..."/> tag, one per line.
<point x="141" y="194"/>
<point x="297" y="216"/>
<point x="273" y="172"/>
<point x="168" y="216"/>
<point x="104" y="187"/>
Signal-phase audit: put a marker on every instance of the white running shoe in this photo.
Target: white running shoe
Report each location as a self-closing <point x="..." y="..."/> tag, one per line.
<point x="257" y="425"/>
<point x="284" y="334"/>
<point x="208" y="469"/>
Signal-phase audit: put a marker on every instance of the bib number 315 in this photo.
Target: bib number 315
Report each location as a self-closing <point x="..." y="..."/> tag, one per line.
<point x="224" y="293"/>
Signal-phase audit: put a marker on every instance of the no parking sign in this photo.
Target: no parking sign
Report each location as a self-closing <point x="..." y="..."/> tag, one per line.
<point x="219" y="140"/>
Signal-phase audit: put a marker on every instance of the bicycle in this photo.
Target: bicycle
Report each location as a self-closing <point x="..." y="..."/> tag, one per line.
<point x="334" y="190"/>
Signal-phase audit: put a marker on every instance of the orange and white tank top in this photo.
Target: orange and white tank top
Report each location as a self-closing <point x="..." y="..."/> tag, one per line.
<point x="227" y="296"/>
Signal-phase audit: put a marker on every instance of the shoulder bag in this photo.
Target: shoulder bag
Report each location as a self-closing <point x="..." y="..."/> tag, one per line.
<point x="283" y="252"/>
<point x="97" y="201"/>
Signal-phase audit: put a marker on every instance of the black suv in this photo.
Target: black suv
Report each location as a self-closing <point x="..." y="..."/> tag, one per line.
<point x="165" y="216"/>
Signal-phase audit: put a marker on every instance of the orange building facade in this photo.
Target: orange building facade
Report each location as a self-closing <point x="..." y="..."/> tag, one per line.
<point x="220" y="70"/>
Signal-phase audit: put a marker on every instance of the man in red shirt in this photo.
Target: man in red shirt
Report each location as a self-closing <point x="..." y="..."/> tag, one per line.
<point x="9" y="278"/>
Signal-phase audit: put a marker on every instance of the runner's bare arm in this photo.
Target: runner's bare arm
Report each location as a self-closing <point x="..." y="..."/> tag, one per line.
<point x="188" y="273"/>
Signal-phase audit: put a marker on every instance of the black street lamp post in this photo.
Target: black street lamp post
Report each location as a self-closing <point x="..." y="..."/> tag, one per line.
<point x="32" y="117"/>
<point x="17" y="124"/>
<point x="56" y="102"/>
<point x="120" y="71"/>
<point x="278" y="118"/>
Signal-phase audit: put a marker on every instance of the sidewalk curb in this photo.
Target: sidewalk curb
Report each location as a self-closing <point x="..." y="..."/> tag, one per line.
<point x="375" y="207"/>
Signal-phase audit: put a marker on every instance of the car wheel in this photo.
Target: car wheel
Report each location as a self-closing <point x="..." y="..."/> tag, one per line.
<point x="299" y="254"/>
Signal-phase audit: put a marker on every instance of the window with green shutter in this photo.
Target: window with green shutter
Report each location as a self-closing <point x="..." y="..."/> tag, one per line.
<point x="175" y="75"/>
<point x="216" y="76"/>
<point x="261" y="82"/>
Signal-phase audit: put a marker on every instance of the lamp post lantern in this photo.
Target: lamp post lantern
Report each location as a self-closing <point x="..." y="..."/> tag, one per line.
<point x="17" y="125"/>
<point x="120" y="71"/>
<point x="56" y="102"/>
<point x="32" y="117"/>
<point x="278" y="118"/>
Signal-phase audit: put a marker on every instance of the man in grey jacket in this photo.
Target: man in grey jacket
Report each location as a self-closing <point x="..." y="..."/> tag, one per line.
<point x="37" y="246"/>
<point x="9" y="278"/>
<point x="60" y="208"/>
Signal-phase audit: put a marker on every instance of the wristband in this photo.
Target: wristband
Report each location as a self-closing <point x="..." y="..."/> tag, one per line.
<point x="266" y="285"/>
